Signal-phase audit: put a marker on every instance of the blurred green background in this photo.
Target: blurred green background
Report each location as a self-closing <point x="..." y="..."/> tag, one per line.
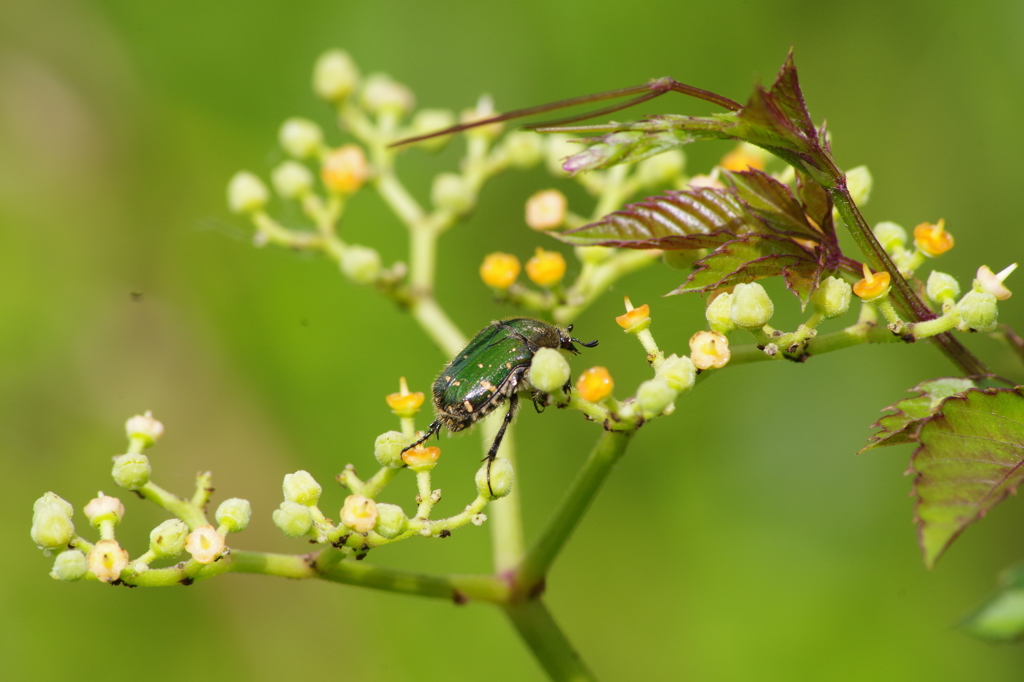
<point x="740" y="539"/>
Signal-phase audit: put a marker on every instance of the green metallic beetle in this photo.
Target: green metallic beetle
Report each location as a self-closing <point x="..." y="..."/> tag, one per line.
<point x="489" y="371"/>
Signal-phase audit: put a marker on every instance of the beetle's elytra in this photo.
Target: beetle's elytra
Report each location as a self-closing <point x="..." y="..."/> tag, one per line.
<point x="491" y="370"/>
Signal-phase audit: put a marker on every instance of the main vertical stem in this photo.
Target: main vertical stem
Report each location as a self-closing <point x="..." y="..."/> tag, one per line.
<point x="547" y="642"/>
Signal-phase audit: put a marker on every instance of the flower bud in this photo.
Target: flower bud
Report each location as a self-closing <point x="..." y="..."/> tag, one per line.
<point x="751" y="306"/>
<point x="546" y="210"/>
<point x="558" y="147"/>
<point x="359" y="513"/>
<point x="874" y="286"/>
<point x="661" y="169"/>
<point x="233" y="515"/>
<point x="654" y="396"/>
<point x="595" y="384"/>
<point x="484" y="109"/>
<point x="292" y="180"/>
<point x="450" y="191"/>
<point x="499" y="270"/>
<point x="549" y="371"/>
<point x="382" y="94"/>
<point x="301" y="488"/>
<point x="387" y="448"/>
<point x="933" y="240"/>
<point x="427" y="121"/>
<point x="168" y="539"/>
<point x="52" y="527"/>
<point x="104" y="508"/>
<point x="144" y="427"/>
<point x="890" y="235"/>
<point x="361" y="264"/>
<point x="69" y="566"/>
<point x="859" y="182"/>
<point x="978" y="312"/>
<point x="745" y="156"/>
<point x="993" y="282"/>
<point x="335" y="76"/>
<point x="719" y="313"/>
<point x="832" y="297"/>
<point x="344" y="170"/>
<point x="132" y="471"/>
<point x="391" y="520"/>
<point x="678" y="372"/>
<point x="501" y="477"/>
<point x="524" y="149"/>
<point x="546" y="268"/>
<point x="107" y="560"/>
<point x="293" y="519"/>
<point x="246" y="193"/>
<point x="301" y="138"/>
<point x="709" y="350"/>
<point x="942" y="287"/>
<point x="205" y="544"/>
<point x="421" y="458"/>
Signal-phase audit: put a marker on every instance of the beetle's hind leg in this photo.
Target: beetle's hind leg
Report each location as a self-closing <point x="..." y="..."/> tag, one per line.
<point x="435" y="427"/>
<point x="513" y="403"/>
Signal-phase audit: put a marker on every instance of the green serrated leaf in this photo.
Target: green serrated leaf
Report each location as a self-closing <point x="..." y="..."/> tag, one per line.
<point x="1001" y="617"/>
<point x="695" y="219"/>
<point x="970" y="459"/>
<point x="900" y="426"/>
<point x="747" y="259"/>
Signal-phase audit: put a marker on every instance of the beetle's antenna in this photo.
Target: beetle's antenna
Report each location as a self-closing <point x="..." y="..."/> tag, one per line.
<point x="590" y="344"/>
<point x="650" y="90"/>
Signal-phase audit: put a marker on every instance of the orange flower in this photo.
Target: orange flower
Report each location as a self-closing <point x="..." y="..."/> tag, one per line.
<point x="634" y="319"/>
<point x="933" y="240"/>
<point x="404" y="403"/>
<point x="499" y="270"/>
<point x="874" y="286"/>
<point x="743" y="157"/>
<point x="546" y="268"/>
<point x="595" y="384"/>
<point x="422" y="458"/>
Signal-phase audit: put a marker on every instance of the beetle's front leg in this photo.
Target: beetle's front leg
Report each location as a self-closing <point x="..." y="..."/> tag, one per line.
<point x="513" y="402"/>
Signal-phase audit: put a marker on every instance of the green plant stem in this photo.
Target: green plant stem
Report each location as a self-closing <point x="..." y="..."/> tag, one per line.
<point x="546" y="641"/>
<point x="507" y="542"/>
<point x="609" y="448"/>
<point x="192" y="515"/>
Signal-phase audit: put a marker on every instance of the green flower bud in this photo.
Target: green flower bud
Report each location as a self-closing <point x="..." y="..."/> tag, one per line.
<point x="292" y="180"/>
<point x="382" y="94"/>
<point x="858" y="182"/>
<point x="502" y="476"/>
<point x="549" y="371"/>
<point x="718" y="313"/>
<point x="131" y="471"/>
<point x="594" y="255"/>
<point x="168" y="539"/>
<point x="293" y="519"/>
<point x="751" y="306"/>
<point x="70" y="566"/>
<point x="427" y="121"/>
<point x="978" y="312"/>
<point x="942" y="287"/>
<point x="524" y="149"/>
<point x="678" y="372"/>
<point x="233" y="515"/>
<point x="682" y="259"/>
<point x="452" y="192"/>
<point x="52" y="527"/>
<point x="391" y="520"/>
<point x="890" y="235"/>
<point x="484" y="109"/>
<point x="361" y="264"/>
<point x="832" y="297"/>
<point x="104" y="508"/>
<point x="301" y="488"/>
<point x="145" y="428"/>
<point x="654" y="396"/>
<point x="388" y="449"/>
<point x="335" y="76"/>
<point x="558" y="148"/>
<point x="661" y="169"/>
<point x="301" y="138"/>
<point x="246" y="193"/>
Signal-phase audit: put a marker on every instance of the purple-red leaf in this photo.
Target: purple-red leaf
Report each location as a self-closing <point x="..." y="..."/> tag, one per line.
<point x="773" y="203"/>
<point x="906" y="415"/>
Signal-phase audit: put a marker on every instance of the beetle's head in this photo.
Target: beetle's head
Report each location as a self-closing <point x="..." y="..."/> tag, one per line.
<point x="567" y="341"/>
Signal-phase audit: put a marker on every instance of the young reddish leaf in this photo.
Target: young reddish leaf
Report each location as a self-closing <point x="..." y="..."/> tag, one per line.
<point x="970" y="458"/>
<point x="693" y="219"/>
<point x="773" y="203"/>
<point x="901" y="425"/>
<point x="753" y="257"/>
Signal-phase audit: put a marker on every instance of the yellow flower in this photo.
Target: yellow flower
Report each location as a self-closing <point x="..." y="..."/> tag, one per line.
<point x="546" y="268"/>
<point x="744" y="157"/>
<point x="933" y="240"/>
<point x="499" y="270"/>
<point x="874" y="286"/>
<point x="404" y="403"/>
<point x="107" y="560"/>
<point x="359" y="513"/>
<point x="595" y="384"/>
<point x="205" y="544"/>
<point x="709" y="350"/>
<point x="344" y="170"/>
<point x="422" y="458"/>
